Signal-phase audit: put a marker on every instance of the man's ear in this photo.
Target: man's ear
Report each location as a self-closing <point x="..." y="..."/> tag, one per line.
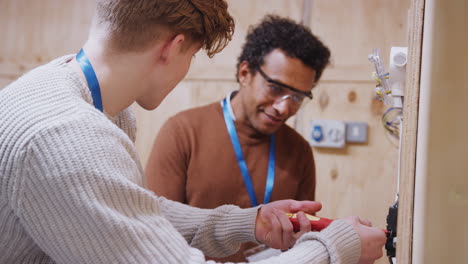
<point x="172" y="46"/>
<point x="243" y="74"/>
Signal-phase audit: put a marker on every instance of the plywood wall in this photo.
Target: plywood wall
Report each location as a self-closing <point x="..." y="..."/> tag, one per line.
<point x="35" y="32"/>
<point x="357" y="180"/>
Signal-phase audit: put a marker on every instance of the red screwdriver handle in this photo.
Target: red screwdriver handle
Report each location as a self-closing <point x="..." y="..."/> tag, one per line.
<point x="316" y="223"/>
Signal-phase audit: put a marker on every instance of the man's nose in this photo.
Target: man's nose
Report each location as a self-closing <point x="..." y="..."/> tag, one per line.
<point x="283" y="105"/>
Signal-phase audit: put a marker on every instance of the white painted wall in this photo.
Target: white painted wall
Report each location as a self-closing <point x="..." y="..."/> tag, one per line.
<point x="441" y="193"/>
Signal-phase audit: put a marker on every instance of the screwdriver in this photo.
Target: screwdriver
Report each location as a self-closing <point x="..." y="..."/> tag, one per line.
<point x="316" y="223"/>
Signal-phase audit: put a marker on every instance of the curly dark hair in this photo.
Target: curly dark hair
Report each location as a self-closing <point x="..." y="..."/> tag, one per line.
<point x="295" y="40"/>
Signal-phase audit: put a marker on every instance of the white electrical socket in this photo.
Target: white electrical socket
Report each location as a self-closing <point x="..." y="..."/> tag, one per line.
<point x="327" y="133"/>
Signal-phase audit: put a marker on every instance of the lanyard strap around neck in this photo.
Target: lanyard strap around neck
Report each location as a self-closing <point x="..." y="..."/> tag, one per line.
<point x="241" y="161"/>
<point x="91" y="78"/>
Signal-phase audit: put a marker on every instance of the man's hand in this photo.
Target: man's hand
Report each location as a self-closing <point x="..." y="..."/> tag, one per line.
<point x="372" y="239"/>
<point x="274" y="228"/>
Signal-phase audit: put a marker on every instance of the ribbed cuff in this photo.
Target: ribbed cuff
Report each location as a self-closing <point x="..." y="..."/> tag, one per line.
<point x="342" y="242"/>
<point x="243" y="221"/>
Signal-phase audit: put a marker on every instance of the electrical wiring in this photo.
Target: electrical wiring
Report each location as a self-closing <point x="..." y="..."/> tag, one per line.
<point x="391" y="121"/>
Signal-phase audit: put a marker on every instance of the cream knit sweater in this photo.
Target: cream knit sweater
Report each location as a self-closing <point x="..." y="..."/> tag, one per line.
<point x="70" y="189"/>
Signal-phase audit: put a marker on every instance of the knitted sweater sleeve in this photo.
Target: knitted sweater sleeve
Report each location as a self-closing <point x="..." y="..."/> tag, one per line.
<point x="76" y="198"/>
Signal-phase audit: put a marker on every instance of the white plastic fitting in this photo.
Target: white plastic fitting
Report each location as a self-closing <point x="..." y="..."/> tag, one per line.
<point x="397" y="74"/>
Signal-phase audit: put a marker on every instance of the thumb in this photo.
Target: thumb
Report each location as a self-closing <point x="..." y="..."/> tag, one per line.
<point x="309" y="207"/>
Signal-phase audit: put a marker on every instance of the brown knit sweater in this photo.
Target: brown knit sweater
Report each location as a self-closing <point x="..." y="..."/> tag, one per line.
<point x="194" y="162"/>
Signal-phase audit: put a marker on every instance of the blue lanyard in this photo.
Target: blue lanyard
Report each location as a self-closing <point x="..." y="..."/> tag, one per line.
<point x="91" y="78"/>
<point x="241" y="161"/>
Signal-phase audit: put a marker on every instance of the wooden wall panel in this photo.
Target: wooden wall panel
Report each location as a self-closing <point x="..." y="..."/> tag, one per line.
<point x="410" y="128"/>
<point x="353" y="28"/>
<point x="35" y="32"/>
